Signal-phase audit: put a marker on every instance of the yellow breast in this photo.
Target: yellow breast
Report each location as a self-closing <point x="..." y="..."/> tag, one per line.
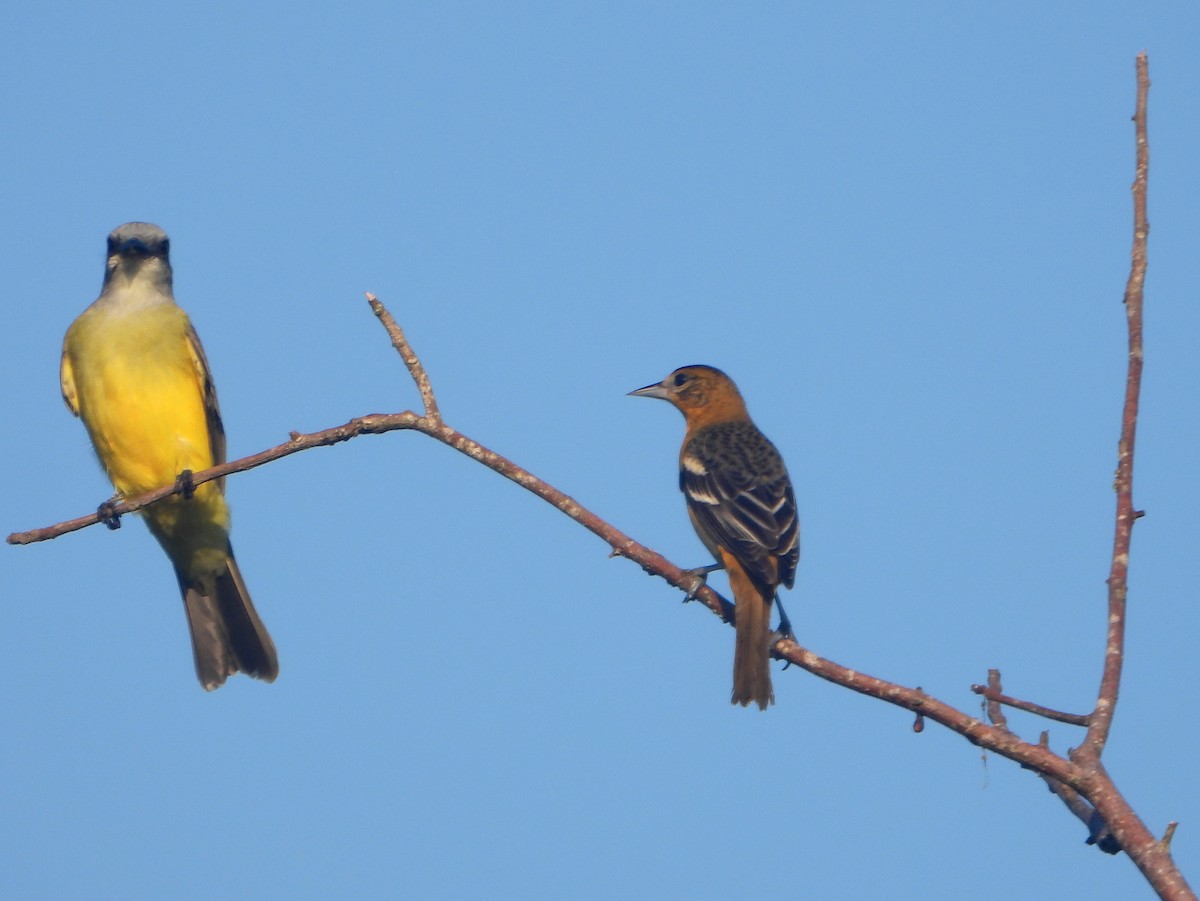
<point x="139" y="393"/>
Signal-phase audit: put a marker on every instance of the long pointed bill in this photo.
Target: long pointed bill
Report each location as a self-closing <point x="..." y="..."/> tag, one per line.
<point x="655" y="390"/>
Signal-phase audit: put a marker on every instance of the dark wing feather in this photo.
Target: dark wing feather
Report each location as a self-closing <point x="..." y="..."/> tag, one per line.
<point x="216" y="431"/>
<point x="741" y="497"/>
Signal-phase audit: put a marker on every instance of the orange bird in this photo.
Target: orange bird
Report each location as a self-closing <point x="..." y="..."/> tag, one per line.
<point x="741" y="503"/>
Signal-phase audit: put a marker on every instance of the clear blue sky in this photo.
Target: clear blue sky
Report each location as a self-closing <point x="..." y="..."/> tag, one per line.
<point x="904" y="232"/>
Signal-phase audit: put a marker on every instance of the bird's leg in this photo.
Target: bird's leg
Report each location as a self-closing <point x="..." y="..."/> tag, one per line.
<point x="107" y="512"/>
<point x="785" y="628"/>
<point x="785" y="624"/>
<point x="184" y="484"/>
<point x="700" y="575"/>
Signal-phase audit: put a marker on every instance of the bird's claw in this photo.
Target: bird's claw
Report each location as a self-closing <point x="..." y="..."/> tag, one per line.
<point x="184" y="484"/>
<point x="107" y="513"/>
<point x="699" y="579"/>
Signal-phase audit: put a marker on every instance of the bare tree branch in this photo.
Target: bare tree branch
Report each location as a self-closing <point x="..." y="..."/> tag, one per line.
<point x="1098" y="831"/>
<point x="1079" y="779"/>
<point x="1100" y="722"/>
<point x="415" y="368"/>
<point x="995" y="711"/>
<point x="994" y="695"/>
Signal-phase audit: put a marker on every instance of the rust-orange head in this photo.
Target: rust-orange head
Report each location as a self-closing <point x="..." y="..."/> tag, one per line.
<point x="701" y="393"/>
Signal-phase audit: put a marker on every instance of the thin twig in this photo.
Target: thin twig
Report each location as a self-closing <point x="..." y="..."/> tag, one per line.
<point x="995" y="696"/>
<point x="1100" y="722"/>
<point x="995" y="711"/>
<point x="413" y="363"/>
<point x="364" y="425"/>
<point x="1169" y="834"/>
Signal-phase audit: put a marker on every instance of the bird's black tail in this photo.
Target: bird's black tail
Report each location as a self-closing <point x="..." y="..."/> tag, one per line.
<point x="227" y="635"/>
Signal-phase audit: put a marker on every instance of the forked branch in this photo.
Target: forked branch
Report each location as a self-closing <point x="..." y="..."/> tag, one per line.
<point x="1080" y="779"/>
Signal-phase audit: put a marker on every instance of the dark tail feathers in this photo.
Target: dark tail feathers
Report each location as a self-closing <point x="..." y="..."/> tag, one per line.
<point x="751" y="651"/>
<point x="227" y="635"/>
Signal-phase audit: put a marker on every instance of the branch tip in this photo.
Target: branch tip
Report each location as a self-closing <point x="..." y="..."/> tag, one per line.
<point x="411" y="361"/>
<point x="994" y="697"/>
<point x="1169" y="834"/>
<point x="1099" y="722"/>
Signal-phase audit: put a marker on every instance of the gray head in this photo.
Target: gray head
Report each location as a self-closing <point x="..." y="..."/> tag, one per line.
<point x="138" y="248"/>
<point x="138" y="239"/>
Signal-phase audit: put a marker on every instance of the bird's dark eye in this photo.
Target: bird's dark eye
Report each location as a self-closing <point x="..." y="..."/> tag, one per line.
<point x="681" y="379"/>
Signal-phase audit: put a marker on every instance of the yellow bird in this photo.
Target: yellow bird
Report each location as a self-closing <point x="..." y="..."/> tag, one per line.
<point x="134" y="371"/>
